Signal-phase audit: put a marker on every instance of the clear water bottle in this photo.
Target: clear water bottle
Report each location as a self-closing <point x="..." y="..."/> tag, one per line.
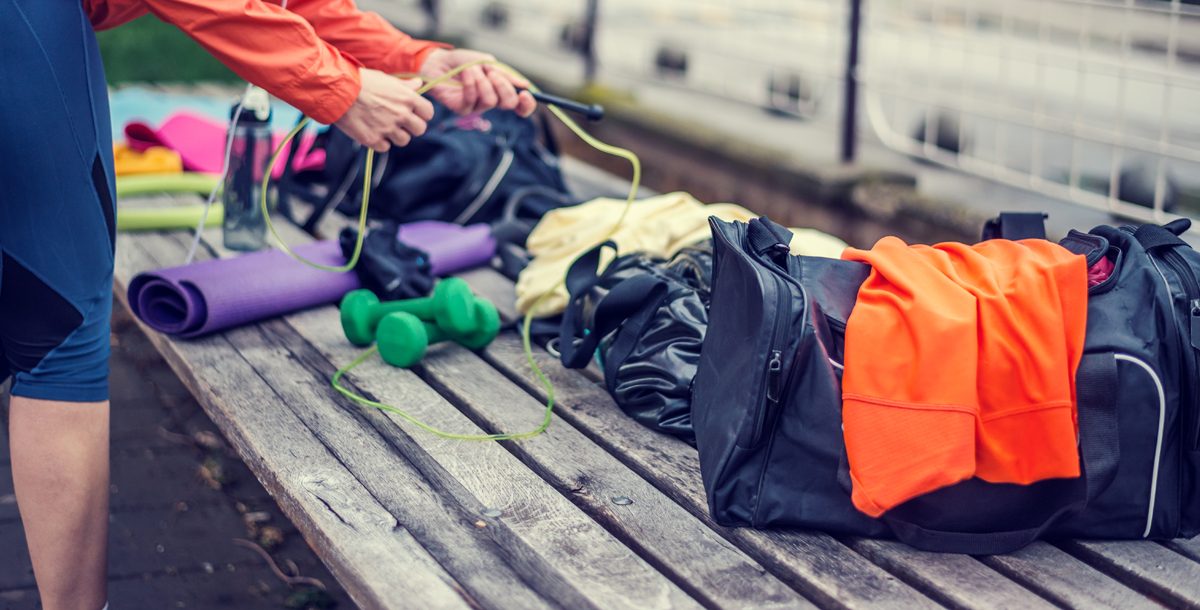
<point x="245" y="228"/>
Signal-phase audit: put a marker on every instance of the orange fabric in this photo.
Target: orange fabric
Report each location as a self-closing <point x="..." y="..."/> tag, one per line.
<point x="960" y="362"/>
<point x="307" y="55"/>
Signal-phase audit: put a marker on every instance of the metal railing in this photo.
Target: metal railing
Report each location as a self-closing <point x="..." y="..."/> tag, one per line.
<point x="1092" y="101"/>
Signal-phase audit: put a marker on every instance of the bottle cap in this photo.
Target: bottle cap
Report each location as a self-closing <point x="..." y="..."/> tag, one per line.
<point x="256" y="106"/>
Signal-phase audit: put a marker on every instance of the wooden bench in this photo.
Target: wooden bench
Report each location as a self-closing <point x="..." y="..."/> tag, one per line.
<point x="597" y="512"/>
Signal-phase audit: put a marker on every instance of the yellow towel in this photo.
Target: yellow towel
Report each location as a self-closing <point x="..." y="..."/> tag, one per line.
<point x="660" y="225"/>
<point x="153" y="160"/>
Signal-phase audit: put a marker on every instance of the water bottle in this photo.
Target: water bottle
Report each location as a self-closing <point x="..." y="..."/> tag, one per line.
<point x="245" y="229"/>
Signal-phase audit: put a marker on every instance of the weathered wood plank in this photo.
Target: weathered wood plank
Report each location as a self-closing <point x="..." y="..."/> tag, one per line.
<point x="589" y="567"/>
<point x="956" y="580"/>
<point x="1065" y="580"/>
<point x="562" y="551"/>
<point x="821" y="567"/>
<point x="673" y="540"/>
<point x="356" y="537"/>
<point x="1189" y="548"/>
<point x="440" y="525"/>
<point x="1148" y="567"/>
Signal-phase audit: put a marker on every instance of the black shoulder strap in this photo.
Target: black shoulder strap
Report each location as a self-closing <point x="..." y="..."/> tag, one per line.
<point x="1016" y="225"/>
<point x="576" y="340"/>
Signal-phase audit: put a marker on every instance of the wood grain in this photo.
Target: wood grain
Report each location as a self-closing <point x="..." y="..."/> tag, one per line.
<point x="1066" y="580"/>
<point x="819" y="566"/>
<point x="677" y="543"/>
<point x="587" y="568"/>
<point x="356" y="537"/>
<point x="1148" y="567"/>
<point x="440" y="525"/>
<point x="557" y="547"/>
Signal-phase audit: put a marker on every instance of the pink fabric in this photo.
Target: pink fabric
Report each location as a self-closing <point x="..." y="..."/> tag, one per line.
<point x="200" y="142"/>
<point x="1100" y="271"/>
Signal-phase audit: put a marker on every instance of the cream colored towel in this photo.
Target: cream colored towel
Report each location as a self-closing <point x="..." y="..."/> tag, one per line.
<point x="660" y="225"/>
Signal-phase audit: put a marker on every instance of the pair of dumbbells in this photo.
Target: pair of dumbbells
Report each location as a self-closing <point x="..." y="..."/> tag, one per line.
<point x="404" y="330"/>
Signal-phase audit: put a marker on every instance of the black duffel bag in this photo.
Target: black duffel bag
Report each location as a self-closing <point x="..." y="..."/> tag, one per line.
<point x="462" y="170"/>
<point x="643" y="319"/>
<point x="767" y="402"/>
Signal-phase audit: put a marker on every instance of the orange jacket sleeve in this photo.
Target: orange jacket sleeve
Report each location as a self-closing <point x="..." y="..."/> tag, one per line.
<point x="281" y="50"/>
<point x="365" y="36"/>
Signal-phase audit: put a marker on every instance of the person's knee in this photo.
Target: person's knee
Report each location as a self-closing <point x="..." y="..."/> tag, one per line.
<point x="55" y="348"/>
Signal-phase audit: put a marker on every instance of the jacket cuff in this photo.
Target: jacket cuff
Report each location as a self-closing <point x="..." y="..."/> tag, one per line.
<point x="325" y="95"/>
<point x="408" y="58"/>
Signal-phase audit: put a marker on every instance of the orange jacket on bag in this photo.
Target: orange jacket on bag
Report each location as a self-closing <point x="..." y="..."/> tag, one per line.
<point x="307" y="55"/>
<point x="960" y="362"/>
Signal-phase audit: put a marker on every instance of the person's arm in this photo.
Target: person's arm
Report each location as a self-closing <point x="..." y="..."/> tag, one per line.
<point x="365" y="36"/>
<point x="279" y="51"/>
<point x="377" y="44"/>
<point x="271" y="47"/>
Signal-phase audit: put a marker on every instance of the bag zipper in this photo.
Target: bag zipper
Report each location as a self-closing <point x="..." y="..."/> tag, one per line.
<point x="1191" y="290"/>
<point x="775" y="385"/>
<point x="770" y="390"/>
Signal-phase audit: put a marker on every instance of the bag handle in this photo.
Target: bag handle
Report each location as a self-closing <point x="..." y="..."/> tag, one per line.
<point x="768" y="238"/>
<point x="1016" y="225"/>
<point x="1166" y="236"/>
<point x="577" y="342"/>
<point x="1099" y="448"/>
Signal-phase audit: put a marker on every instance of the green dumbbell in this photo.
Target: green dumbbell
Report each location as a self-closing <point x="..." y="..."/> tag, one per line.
<point x="451" y="306"/>
<point x="403" y="338"/>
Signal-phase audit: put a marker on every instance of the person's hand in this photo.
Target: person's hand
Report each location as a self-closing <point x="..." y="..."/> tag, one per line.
<point x="388" y="112"/>
<point x="478" y="88"/>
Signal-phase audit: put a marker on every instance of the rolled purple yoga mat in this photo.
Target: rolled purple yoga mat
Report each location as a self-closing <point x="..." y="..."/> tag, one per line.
<point x="451" y="248"/>
<point x="209" y="296"/>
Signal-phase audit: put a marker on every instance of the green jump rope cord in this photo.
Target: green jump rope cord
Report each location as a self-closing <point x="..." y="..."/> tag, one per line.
<point x="526" y="340"/>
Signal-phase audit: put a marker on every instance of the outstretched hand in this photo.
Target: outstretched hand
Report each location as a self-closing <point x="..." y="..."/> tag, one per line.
<point x="478" y="88"/>
<point x="388" y="112"/>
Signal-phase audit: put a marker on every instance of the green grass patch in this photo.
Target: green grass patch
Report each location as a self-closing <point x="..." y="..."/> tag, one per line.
<point x="147" y="49"/>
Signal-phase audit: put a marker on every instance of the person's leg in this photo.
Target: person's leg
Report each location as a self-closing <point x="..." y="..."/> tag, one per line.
<point x="57" y="231"/>
<point x="60" y="473"/>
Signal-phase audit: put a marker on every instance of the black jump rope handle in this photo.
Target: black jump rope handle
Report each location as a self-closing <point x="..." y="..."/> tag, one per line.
<point x="593" y="112"/>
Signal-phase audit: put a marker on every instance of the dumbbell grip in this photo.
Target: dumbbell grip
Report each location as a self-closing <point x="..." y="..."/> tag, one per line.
<point x="420" y="307"/>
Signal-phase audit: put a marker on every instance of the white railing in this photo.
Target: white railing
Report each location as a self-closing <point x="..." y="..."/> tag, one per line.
<point x="1094" y="101"/>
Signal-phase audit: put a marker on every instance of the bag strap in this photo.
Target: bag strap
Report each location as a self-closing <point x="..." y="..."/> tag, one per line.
<point x="1154" y="236"/>
<point x="768" y="238"/>
<point x="1016" y="225"/>
<point x="633" y="327"/>
<point x="1099" y="449"/>
<point x="577" y="342"/>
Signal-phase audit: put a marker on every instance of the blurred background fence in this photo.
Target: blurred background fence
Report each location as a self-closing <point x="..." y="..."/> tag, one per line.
<point x="1091" y="101"/>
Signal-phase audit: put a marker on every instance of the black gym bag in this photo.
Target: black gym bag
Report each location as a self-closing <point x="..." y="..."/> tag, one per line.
<point x="462" y="170"/>
<point x="767" y="403"/>
<point x="643" y="319"/>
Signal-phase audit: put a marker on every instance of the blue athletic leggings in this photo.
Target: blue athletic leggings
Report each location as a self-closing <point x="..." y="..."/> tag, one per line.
<point x="56" y="203"/>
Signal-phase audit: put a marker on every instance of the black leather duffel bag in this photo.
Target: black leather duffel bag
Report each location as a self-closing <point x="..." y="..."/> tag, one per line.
<point x="767" y="402"/>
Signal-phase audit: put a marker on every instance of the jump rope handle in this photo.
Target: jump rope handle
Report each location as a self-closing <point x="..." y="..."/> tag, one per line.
<point x="592" y="112"/>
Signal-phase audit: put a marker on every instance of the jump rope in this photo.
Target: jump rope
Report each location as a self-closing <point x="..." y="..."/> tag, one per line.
<point x="445" y="79"/>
